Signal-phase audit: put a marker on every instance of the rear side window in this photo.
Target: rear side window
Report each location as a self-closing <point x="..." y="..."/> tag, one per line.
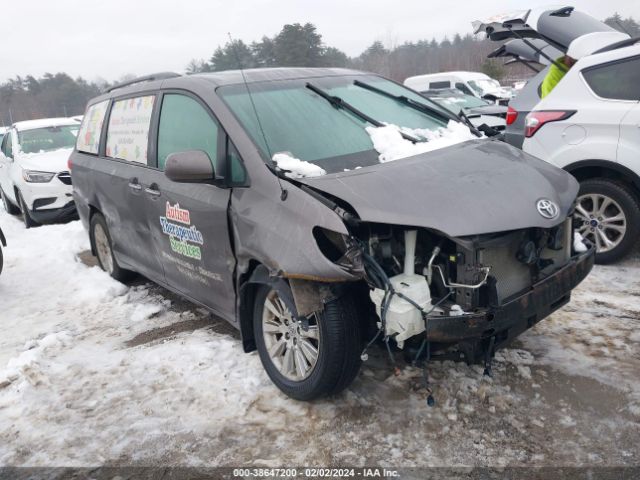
<point x="617" y="81"/>
<point x="128" y="131"/>
<point x="89" y="135"/>
<point x="435" y="85"/>
<point x="185" y="125"/>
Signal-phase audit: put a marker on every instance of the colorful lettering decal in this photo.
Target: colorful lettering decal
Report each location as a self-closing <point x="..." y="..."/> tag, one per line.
<point x="178" y="214"/>
<point x="181" y="235"/>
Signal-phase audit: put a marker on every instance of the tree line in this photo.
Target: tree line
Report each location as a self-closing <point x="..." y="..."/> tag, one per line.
<point x="299" y="45"/>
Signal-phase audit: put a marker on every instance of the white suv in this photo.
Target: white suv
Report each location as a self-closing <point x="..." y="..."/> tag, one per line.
<point x="34" y="177"/>
<point x="590" y="126"/>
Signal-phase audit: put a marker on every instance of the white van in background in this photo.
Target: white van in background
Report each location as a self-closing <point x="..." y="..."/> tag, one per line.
<point x="472" y="83"/>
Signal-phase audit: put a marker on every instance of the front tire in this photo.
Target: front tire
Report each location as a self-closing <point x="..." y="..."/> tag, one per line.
<point x="102" y="246"/>
<point x="305" y="365"/>
<point x="24" y="213"/>
<point x="610" y="218"/>
<point x="9" y="207"/>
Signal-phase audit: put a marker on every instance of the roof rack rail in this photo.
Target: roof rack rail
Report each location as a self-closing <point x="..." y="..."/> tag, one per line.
<point x="146" y="78"/>
<point x="624" y="43"/>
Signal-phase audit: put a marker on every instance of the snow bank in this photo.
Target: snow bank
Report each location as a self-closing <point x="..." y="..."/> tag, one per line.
<point x="296" y="168"/>
<point x="390" y="144"/>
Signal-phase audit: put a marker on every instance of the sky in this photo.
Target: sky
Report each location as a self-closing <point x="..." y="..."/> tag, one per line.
<point x="109" y="39"/>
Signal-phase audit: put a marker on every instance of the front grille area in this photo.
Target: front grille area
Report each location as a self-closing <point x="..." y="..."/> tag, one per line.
<point x="43" y="202"/>
<point x="510" y="274"/>
<point x="65" y="177"/>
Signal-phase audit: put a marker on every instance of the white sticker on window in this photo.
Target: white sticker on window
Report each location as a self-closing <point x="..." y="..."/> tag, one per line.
<point x="89" y="135"/>
<point x="128" y="132"/>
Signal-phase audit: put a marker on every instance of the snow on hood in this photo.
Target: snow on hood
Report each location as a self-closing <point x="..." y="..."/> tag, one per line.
<point x="390" y="144"/>
<point x="296" y="168"/>
<point x="52" y="161"/>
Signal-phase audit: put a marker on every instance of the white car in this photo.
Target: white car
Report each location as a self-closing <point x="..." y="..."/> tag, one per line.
<point x="590" y="125"/>
<point x="472" y="83"/>
<point x="34" y="177"/>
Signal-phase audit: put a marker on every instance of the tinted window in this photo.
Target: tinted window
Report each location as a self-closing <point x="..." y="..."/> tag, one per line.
<point x="89" y="136"/>
<point x="186" y="125"/>
<point x="237" y="172"/>
<point x="619" y="80"/>
<point x="128" y="131"/>
<point x="440" y="85"/>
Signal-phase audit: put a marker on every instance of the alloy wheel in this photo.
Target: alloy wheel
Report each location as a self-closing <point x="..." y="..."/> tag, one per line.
<point x="292" y="349"/>
<point x="603" y="221"/>
<point x="103" y="248"/>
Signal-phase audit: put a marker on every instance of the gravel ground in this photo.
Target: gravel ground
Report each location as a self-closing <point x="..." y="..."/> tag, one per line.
<point x="94" y="372"/>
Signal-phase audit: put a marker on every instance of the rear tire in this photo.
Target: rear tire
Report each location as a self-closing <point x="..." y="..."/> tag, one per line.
<point x="24" y="213"/>
<point x="9" y="207"/>
<point x="101" y="244"/>
<point x="334" y="333"/>
<point x="610" y="218"/>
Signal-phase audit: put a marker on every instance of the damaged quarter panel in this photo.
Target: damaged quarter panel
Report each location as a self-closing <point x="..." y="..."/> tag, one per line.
<point x="279" y="234"/>
<point x="468" y="189"/>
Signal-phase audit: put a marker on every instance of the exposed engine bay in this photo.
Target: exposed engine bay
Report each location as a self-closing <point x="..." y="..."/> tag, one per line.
<point x="417" y="277"/>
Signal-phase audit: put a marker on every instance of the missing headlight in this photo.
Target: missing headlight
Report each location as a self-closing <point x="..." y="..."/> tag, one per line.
<point x="339" y="249"/>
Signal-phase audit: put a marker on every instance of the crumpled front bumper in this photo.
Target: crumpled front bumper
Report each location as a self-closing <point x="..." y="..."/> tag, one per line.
<point x="507" y="321"/>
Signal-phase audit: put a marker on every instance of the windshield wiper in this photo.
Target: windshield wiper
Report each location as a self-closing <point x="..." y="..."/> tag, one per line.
<point x="421" y="107"/>
<point x="342" y="104"/>
<point x="463" y="116"/>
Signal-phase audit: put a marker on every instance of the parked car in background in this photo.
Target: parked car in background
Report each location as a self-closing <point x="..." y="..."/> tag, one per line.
<point x="34" y="177"/>
<point x="3" y="243"/>
<point x="320" y="209"/>
<point x="479" y="111"/>
<point x="590" y="125"/>
<point x="3" y="131"/>
<point x="587" y="124"/>
<point x="549" y="31"/>
<point x="476" y="84"/>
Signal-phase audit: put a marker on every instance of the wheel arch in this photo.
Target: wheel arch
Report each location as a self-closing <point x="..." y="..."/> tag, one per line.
<point x="256" y="275"/>
<point x="587" y="169"/>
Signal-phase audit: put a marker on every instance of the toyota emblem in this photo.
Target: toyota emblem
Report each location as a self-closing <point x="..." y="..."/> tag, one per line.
<point x="547" y="208"/>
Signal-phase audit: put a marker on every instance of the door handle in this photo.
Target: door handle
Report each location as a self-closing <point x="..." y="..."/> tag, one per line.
<point x="153" y="190"/>
<point x="134" y="185"/>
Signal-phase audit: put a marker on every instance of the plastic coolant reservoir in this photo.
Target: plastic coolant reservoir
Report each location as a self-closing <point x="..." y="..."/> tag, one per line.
<point x="402" y="318"/>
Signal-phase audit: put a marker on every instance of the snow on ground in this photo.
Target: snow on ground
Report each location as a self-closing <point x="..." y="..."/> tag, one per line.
<point x="95" y="372"/>
<point x="390" y="144"/>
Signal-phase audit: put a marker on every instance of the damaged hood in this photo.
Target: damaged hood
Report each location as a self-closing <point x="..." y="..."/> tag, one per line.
<point x="476" y="187"/>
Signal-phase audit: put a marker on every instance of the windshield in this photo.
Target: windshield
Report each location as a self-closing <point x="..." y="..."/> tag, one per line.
<point x="455" y="102"/>
<point x="484" y="86"/>
<point x="48" y="138"/>
<point x="296" y="120"/>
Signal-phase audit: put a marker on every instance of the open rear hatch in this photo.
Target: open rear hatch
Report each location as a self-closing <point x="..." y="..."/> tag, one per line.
<point x="557" y="26"/>
<point x="519" y="51"/>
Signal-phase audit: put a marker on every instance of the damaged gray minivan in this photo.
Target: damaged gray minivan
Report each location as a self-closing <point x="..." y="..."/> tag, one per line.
<point x="320" y="210"/>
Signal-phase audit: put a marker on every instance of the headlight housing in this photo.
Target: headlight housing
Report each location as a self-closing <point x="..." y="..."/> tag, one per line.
<point x="34" y="176"/>
<point x="339" y="249"/>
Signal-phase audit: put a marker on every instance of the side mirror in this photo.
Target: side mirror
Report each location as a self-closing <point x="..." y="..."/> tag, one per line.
<point x="189" y="167"/>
